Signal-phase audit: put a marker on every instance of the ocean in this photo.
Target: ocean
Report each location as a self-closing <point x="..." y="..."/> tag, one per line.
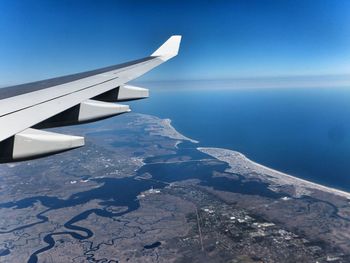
<point x="304" y="132"/>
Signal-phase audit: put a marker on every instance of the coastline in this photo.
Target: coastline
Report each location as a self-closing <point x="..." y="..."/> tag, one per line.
<point x="238" y="162"/>
<point x="163" y="127"/>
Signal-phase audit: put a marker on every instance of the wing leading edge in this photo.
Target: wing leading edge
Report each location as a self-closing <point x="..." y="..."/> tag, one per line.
<point x="73" y="99"/>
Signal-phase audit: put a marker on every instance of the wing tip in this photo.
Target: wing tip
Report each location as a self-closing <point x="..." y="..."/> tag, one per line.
<point x="169" y="49"/>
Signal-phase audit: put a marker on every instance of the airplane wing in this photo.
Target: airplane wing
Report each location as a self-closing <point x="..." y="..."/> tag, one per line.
<point x="79" y="98"/>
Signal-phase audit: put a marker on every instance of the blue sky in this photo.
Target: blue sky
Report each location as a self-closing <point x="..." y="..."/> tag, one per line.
<point x="221" y="39"/>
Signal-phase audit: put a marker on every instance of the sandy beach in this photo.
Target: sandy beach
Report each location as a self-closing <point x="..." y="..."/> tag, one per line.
<point x="239" y="163"/>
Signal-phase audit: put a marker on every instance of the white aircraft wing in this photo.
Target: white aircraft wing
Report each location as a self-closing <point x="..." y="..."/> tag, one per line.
<point x="67" y="100"/>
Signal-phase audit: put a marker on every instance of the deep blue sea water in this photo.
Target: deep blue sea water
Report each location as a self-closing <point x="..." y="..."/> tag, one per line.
<point x="303" y="132"/>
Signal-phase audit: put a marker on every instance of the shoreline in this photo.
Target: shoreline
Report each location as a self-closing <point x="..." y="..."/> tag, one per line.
<point x="164" y="127"/>
<point x="279" y="178"/>
<point x="275" y="177"/>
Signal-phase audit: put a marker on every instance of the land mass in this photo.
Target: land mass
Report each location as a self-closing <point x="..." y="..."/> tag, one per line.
<point x="142" y="192"/>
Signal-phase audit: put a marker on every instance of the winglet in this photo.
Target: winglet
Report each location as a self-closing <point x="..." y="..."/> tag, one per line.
<point x="169" y="49"/>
